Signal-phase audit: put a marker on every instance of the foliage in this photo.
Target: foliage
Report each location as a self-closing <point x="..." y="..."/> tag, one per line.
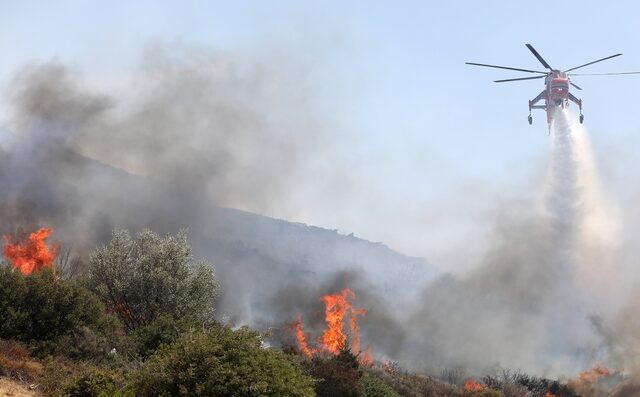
<point x="145" y="277"/>
<point x="41" y="310"/>
<point x="375" y="387"/>
<point x="164" y="330"/>
<point x="516" y="383"/>
<point x="220" y="362"/>
<point x="337" y="376"/>
<point x="95" y="382"/>
<point x="63" y="377"/>
<point x="417" y="385"/>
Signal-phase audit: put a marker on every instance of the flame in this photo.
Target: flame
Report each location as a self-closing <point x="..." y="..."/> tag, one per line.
<point x="334" y="337"/>
<point x="549" y="394"/>
<point x="355" y="330"/>
<point x="301" y="338"/>
<point x="32" y="254"/>
<point x="584" y="383"/>
<point x="366" y="358"/>
<point x="338" y="308"/>
<point x="472" y="385"/>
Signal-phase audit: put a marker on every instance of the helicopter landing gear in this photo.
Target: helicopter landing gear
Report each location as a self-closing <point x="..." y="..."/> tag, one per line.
<point x="530" y="120"/>
<point x="581" y="118"/>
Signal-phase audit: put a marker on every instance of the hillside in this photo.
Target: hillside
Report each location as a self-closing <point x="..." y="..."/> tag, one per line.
<point x="257" y="258"/>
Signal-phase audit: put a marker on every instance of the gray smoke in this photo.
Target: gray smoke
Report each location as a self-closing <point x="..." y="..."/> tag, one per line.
<point x="525" y="305"/>
<point x="212" y="129"/>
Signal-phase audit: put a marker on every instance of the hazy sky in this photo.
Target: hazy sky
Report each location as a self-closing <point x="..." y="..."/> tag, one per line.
<point x="432" y="145"/>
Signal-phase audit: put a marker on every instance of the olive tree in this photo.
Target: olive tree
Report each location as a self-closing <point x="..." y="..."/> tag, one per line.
<point x="146" y="276"/>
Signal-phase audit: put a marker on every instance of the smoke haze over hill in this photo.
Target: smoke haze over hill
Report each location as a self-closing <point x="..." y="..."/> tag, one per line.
<point x="202" y="132"/>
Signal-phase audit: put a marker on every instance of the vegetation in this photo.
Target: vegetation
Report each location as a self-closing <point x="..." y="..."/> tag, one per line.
<point x="221" y="362"/>
<point x="48" y="313"/>
<point x="142" y="325"/>
<point x="374" y="386"/>
<point x="143" y="278"/>
<point x="337" y="376"/>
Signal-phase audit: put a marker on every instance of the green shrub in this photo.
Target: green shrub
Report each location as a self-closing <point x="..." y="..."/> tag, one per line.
<point x="164" y="330"/>
<point x="337" y="376"/>
<point x="376" y="387"/>
<point x="220" y="362"/>
<point x="41" y="310"/>
<point x="145" y="277"/>
<point x="417" y="385"/>
<point x="94" y="382"/>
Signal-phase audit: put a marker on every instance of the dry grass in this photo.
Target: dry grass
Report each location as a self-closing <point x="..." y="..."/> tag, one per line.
<point x="17" y="363"/>
<point x="14" y="388"/>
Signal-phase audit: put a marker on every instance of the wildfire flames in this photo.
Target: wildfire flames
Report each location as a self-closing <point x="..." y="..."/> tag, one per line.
<point x="31" y="254"/>
<point x="472" y="385"/>
<point x="583" y="385"/>
<point x="338" y="308"/>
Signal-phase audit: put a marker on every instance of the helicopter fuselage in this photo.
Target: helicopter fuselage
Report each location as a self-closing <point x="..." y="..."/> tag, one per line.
<point x="555" y="95"/>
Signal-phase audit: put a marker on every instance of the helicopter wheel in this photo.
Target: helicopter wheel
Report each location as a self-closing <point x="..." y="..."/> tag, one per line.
<point x="530" y="120"/>
<point x="581" y="119"/>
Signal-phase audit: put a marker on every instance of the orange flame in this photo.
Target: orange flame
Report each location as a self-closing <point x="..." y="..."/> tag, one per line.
<point x="30" y="255"/>
<point x="355" y="330"/>
<point x="338" y="307"/>
<point x="472" y="385"/>
<point x="334" y="337"/>
<point x="301" y="338"/>
<point x="584" y="383"/>
<point x="367" y="357"/>
<point x="549" y="394"/>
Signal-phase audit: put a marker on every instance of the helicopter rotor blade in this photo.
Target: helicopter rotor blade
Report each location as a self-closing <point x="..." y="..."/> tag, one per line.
<point x="591" y="63"/>
<point x="535" y="53"/>
<point x="505" y="67"/>
<point x="521" y="78"/>
<point x="575" y="86"/>
<point x="601" y="74"/>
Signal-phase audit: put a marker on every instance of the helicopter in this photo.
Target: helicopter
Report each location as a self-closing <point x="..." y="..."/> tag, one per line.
<point x="556" y="93"/>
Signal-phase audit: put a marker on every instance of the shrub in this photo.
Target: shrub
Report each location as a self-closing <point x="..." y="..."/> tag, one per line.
<point x="337" y="376"/>
<point x="95" y="382"/>
<point x="164" y="330"/>
<point x="220" y="362"/>
<point x="62" y="377"/>
<point x="145" y="277"/>
<point x="416" y="385"/>
<point x="376" y="387"/>
<point x="41" y="310"/>
<point x="16" y="361"/>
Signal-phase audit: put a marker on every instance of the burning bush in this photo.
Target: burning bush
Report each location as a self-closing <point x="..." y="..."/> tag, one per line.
<point x="31" y="254"/>
<point x="338" y="310"/>
<point x="145" y="277"/>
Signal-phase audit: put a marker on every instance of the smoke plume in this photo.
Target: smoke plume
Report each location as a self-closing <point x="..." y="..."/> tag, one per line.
<point x="530" y="302"/>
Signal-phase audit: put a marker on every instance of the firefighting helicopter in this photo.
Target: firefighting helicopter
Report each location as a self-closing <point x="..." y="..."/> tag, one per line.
<point x="556" y="93"/>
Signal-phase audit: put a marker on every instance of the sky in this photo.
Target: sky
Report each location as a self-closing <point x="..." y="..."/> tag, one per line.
<point x="432" y="146"/>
